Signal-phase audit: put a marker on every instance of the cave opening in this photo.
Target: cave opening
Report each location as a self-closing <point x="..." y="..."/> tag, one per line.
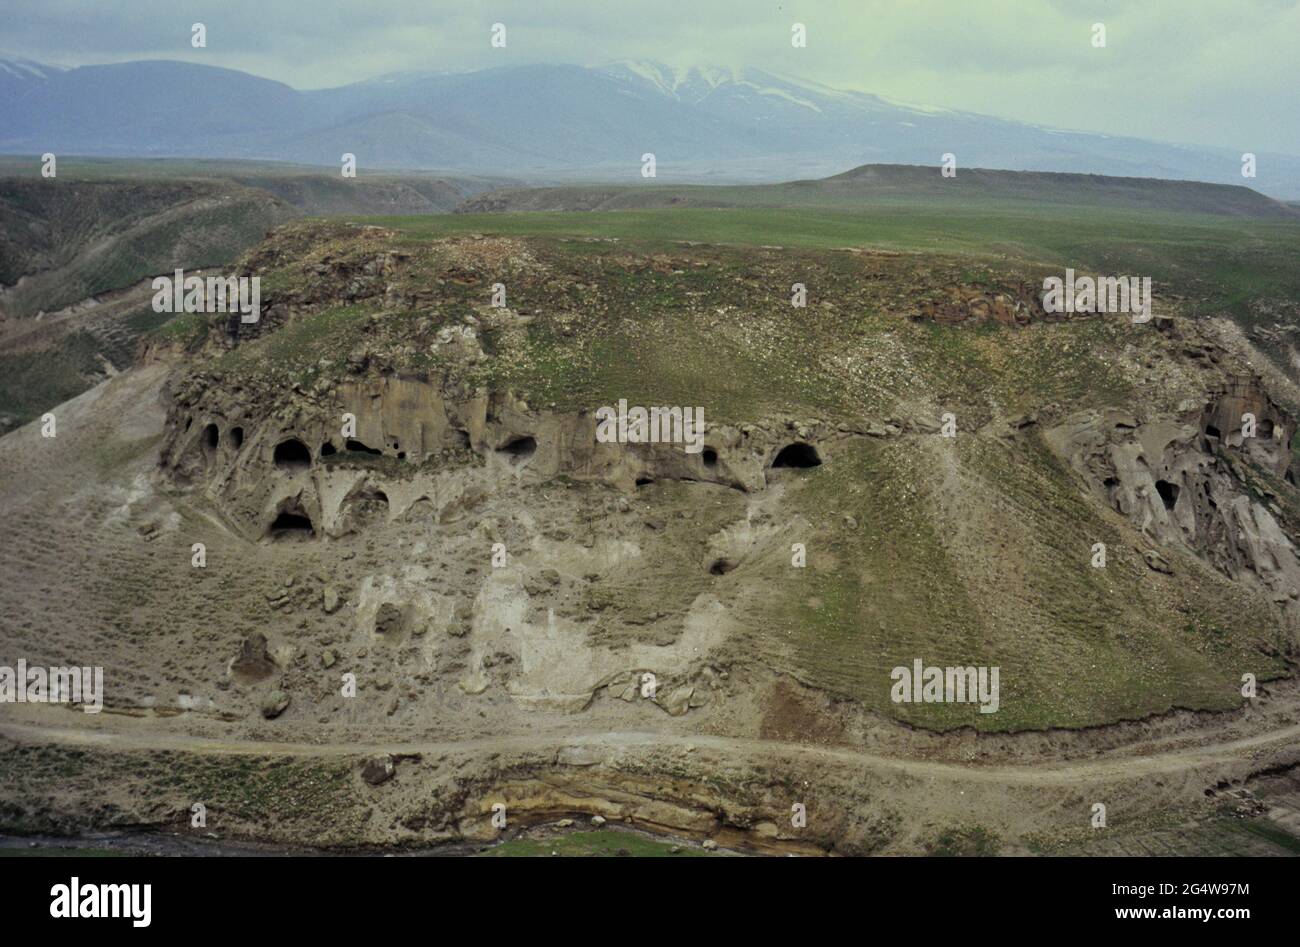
<point x="293" y="524"/>
<point x="359" y="448"/>
<point x="519" y="449"/>
<point x="722" y="566"/>
<point x="328" y="449"/>
<point x="1168" y="493"/>
<point x="710" y="457"/>
<point x="237" y="435"/>
<point x="211" y="437"/>
<point x="797" y="455"/>
<point x="292" y="455"/>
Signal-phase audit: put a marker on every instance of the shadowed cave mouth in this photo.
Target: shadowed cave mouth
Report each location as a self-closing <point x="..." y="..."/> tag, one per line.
<point x="722" y="566"/>
<point x="292" y="455"/>
<point x="710" y="457"/>
<point x="798" y="455"/>
<point x="519" y="449"/>
<point x="1168" y="493"/>
<point x="359" y="448"/>
<point x="237" y="435"/>
<point x="292" y="523"/>
<point x="211" y="437"/>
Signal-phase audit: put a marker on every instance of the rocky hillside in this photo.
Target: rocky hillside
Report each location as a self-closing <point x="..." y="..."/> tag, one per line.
<point x="79" y="250"/>
<point x="393" y="484"/>
<point x="824" y="428"/>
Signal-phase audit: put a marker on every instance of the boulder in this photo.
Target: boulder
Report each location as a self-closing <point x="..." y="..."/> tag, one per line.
<point x="275" y="704"/>
<point x="378" y="770"/>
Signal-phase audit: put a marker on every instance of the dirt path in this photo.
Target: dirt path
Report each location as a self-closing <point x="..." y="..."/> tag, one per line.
<point x="1128" y="767"/>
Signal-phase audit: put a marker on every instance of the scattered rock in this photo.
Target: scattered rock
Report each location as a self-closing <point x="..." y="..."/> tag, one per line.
<point x="275" y="704"/>
<point x="679" y="701"/>
<point x="1158" y="562"/>
<point x="378" y="770"/>
<point x="330" y="599"/>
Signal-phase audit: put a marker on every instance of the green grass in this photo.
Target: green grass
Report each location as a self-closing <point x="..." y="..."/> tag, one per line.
<point x="964" y="841"/>
<point x="912" y="577"/>
<point x="1270" y="832"/>
<point x="1225" y="261"/>
<point x="592" y="844"/>
<point x="32" y="383"/>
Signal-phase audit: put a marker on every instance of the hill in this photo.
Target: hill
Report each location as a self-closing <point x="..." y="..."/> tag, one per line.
<point x="75" y="250"/>
<point x="500" y="581"/>
<point x="880" y="185"/>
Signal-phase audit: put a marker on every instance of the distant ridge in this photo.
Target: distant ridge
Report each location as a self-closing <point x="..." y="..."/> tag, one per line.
<point x="884" y="183"/>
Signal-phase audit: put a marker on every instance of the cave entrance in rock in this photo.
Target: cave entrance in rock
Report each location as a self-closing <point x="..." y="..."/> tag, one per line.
<point x="722" y="566"/>
<point x="211" y="437"/>
<point x="292" y="523"/>
<point x="292" y="455"/>
<point x="797" y="455"/>
<point x="357" y="447"/>
<point x="519" y="449"/>
<point x="1168" y="493"/>
<point x="366" y="506"/>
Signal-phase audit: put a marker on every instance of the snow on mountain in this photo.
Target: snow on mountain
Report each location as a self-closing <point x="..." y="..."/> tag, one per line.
<point x="548" y="121"/>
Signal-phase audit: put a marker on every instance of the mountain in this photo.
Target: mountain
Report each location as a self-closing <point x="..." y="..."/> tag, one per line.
<point x="560" y="121"/>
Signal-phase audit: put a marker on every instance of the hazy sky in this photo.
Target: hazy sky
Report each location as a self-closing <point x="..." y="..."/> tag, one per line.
<point x="1213" y="72"/>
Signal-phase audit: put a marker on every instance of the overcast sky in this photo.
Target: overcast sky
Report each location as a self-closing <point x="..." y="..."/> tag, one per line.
<point x="1212" y="72"/>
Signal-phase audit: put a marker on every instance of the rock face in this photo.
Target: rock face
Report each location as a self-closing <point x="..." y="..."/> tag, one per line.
<point x="1185" y="480"/>
<point x="288" y="472"/>
<point x="1013" y="305"/>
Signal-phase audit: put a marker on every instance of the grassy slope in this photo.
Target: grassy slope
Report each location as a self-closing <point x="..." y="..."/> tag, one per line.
<point x="970" y="551"/>
<point x="1224" y="263"/>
